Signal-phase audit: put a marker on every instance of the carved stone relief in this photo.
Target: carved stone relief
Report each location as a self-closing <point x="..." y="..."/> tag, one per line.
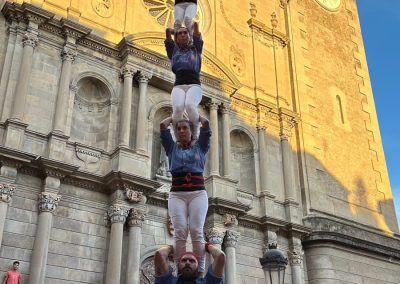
<point x="147" y="270"/>
<point x="103" y="8"/>
<point x="237" y="61"/>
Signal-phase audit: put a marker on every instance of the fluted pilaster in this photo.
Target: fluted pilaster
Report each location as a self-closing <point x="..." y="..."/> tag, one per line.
<point x="141" y="129"/>
<point x="125" y="123"/>
<point x="230" y="241"/>
<point x="226" y="140"/>
<point x="214" y="151"/>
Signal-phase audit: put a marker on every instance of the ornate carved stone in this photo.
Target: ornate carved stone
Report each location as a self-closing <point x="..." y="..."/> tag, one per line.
<point x="271" y="239"/>
<point x="144" y="77"/>
<point x="48" y="202"/>
<point x="284" y="3"/>
<point x="103" y="8"/>
<point x="253" y="10"/>
<point x="237" y="60"/>
<point x="6" y="192"/>
<point x="230" y="220"/>
<point x="215" y="236"/>
<point x="30" y="39"/>
<point x="136" y="217"/>
<point x="133" y="195"/>
<point x="147" y="270"/>
<point x="274" y="20"/>
<point x="117" y="214"/>
<point x="170" y="226"/>
<point x="68" y="54"/>
<point x="231" y="238"/>
<point x="287" y="123"/>
<point x="296" y="257"/>
<point x="127" y="72"/>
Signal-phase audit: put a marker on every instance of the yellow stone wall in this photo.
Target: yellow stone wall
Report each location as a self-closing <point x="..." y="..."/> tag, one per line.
<point x="323" y="62"/>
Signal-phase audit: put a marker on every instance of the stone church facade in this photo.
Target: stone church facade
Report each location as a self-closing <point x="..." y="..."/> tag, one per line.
<point x="296" y="156"/>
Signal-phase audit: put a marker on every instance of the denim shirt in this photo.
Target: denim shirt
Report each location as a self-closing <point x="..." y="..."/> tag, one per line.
<point x="210" y="278"/>
<point x="191" y="159"/>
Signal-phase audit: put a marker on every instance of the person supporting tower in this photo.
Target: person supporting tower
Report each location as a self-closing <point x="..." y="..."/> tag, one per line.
<point x="185" y="11"/>
<point x="186" y="65"/>
<point x="188" y="200"/>
<point x="188" y="267"/>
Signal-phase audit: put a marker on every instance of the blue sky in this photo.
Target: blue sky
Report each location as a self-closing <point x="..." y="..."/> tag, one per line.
<point x="380" y="22"/>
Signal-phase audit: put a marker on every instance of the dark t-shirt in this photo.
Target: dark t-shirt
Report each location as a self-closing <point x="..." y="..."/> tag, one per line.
<point x="168" y="278"/>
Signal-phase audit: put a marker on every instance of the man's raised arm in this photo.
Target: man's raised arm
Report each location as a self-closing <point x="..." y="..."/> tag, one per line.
<point x="161" y="260"/>
<point x="219" y="259"/>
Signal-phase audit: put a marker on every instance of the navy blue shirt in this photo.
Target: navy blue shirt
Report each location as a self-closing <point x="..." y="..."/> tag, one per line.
<point x="210" y="278"/>
<point x="185" y="61"/>
<point x="191" y="159"/>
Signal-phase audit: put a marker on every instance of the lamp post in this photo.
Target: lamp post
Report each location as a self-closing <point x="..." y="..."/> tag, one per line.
<point x="274" y="265"/>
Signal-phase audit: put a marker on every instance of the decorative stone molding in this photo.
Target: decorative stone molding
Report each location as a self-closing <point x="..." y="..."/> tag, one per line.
<point x="284" y="3"/>
<point x="213" y="105"/>
<point x="287" y="123"/>
<point x="266" y="35"/>
<point x="117" y="214"/>
<point x="136" y="217"/>
<point x="226" y="108"/>
<point x="144" y="77"/>
<point x="215" y="236"/>
<point x="90" y="158"/>
<point x="48" y="202"/>
<point x="133" y="195"/>
<point x="253" y="10"/>
<point x="6" y="192"/>
<point x="170" y="226"/>
<point x="274" y="20"/>
<point x="68" y="54"/>
<point x="71" y="29"/>
<point x="296" y="257"/>
<point x="237" y="61"/>
<point x="103" y="8"/>
<point x="30" y="39"/>
<point x="231" y="238"/>
<point x="230" y="220"/>
<point x="35" y="14"/>
<point x="127" y="72"/>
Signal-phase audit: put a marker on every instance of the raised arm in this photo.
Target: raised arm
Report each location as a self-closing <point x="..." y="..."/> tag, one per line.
<point x="161" y="260"/>
<point x="197" y="40"/>
<point x="205" y="134"/>
<point x="169" y="43"/>
<point x="219" y="259"/>
<point x="165" y="135"/>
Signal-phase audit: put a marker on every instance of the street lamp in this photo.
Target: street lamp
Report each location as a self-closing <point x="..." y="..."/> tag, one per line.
<point x="274" y="265"/>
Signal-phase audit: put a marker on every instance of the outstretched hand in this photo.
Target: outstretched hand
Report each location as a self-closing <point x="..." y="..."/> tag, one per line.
<point x="168" y="33"/>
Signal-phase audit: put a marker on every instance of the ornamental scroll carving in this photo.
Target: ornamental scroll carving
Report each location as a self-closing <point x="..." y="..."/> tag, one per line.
<point x="215" y="236"/>
<point x="116" y="214"/>
<point x="48" y="202"/>
<point x="103" y="8"/>
<point x="230" y="220"/>
<point x="6" y="192"/>
<point x="30" y="39"/>
<point x="296" y="257"/>
<point x="136" y="217"/>
<point x="231" y="238"/>
<point x="133" y="195"/>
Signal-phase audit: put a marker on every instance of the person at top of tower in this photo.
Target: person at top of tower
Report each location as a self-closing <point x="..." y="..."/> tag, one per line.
<point x="188" y="200"/>
<point x="184" y="12"/>
<point x="186" y="65"/>
<point x="188" y="267"/>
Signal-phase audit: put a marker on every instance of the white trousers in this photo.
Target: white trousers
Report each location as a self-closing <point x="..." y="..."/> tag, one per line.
<point x="186" y="97"/>
<point x="188" y="212"/>
<point x="185" y="12"/>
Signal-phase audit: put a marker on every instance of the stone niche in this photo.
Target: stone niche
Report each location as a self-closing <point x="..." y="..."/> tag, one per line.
<point x="91" y="113"/>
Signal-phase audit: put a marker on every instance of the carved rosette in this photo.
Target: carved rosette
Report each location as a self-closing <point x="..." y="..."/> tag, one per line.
<point x="68" y="54"/>
<point x="144" y="77"/>
<point x="133" y="195"/>
<point x="136" y="217"/>
<point x="48" y="202"/>
<point x="117" y="214"/>
<point x="231" y="238"/>
<point x="215" y="236"/>
<point x="6" y="192"/>
<point x="296" y="257"/>
<point x="30" y="39"/>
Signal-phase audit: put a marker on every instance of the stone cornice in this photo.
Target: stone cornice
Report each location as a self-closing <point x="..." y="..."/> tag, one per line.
<point x="10" y="156"/>
<point x="73" y="29"/>
<point x="55" y="168"/>
<point x="326" y="229"/>
<point x="26" y="13"/>
<point x="117" y="180"/>
<point x="159" y="199"/>
<point x="223" y="206"/>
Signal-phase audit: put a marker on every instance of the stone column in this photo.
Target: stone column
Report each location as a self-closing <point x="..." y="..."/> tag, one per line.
<point x="287" y="158"/>
<point x="117" y="217"/>
<point x="263" y="158"/>
<point x="48" y="203"/>
<point x="125" y="124"/>
<point x="141" y="130"/>
<point x="231" y="238"/>
<point x="68" y="55"/>
<point x="226" y="141"/>
<point x="214" y="151"/>
<point x="29" y="42"/>
<point x="296" y="258"/>
<point x="135" y="221"/>
<point x="6" y="193"/>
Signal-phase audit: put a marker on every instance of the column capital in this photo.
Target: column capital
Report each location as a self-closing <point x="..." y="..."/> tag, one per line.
<point x="6" y="192"/>
<point x="287" y="123"/>
<point x="225" y="108"/>
<point x="284" y="3"/>
<point x="136" y="217"/>
<point x="296" y="256"/>
<point x="30" y="39"/>
<point x="213" y="105"/>
<point x="231" y="238"/>
<point x="144" y="77"/>
<point x="260" y="128"/>
<point x="48" y="202"/>
<point x="215" y="236"/>
<point x="68" y="54"/>
<point x="117" y="214"/>
<point x="127" y="72"/>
